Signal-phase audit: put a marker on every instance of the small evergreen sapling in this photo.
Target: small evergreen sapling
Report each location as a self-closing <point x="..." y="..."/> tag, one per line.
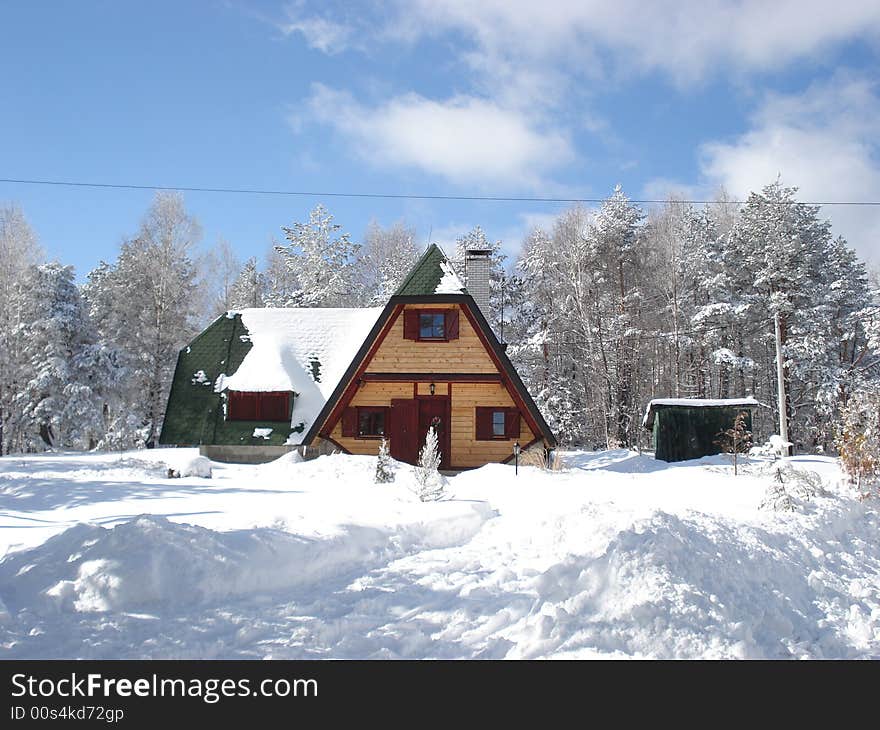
<point x="736" y="440"/>
<point x="429" y="481"/>
<point x="384" y="472"/>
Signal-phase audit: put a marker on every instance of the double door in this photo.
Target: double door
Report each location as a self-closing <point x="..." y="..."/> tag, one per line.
<point x="410" y="419"/>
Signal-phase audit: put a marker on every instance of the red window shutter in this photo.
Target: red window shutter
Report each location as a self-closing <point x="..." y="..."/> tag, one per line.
<point x="349" y="422"/>
<point x="484" y="424"/>
<point x="452" y="324"/>
<point x="511" y="423"/>
<point x="273" y="407"/>
<point x="242" y="406"/>
<point x="410" y="324"/>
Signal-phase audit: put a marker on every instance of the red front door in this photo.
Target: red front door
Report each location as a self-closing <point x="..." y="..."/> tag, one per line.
<point x="403" y="430"/>
<point x="410" y="420"/>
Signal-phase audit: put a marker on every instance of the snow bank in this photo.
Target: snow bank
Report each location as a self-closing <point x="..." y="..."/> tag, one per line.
<point x="152" y="563"/>
<point x="673" y="587"/>
<point x="189" y="466"/>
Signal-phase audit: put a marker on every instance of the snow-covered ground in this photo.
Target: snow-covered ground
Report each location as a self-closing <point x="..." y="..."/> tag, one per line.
<point x="615" y="555"/>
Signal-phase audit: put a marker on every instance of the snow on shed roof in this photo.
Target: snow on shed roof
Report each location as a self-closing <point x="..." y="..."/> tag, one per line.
<point x="293" y="347"/>
<point x="648" y="420"/>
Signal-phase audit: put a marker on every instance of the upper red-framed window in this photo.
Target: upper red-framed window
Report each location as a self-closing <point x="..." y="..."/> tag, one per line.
<point x="430" y="325"/>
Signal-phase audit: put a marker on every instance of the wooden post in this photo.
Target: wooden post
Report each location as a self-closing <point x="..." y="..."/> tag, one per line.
<point x="780" y="379"/>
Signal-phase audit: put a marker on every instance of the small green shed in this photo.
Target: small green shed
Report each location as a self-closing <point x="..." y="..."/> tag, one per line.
<point x="688" y="428"/>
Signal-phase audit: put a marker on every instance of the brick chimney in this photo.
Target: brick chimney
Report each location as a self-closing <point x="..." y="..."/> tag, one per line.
<point x="476" y="271"/>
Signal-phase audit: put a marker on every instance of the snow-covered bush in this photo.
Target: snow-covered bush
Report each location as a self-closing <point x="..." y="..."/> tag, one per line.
<point x="791" y="487"/>
<point x="774" y="448"/>
<point x="857" y="437"/>
<point x="198" y="466"/>
<point x="384" y="472"/>
<point x="429" y="480"/>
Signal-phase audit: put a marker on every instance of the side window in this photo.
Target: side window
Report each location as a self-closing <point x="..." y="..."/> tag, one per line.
<point x="371" y="422"/>
<point x="498" y="423"/>
<point x="432" y="326"/>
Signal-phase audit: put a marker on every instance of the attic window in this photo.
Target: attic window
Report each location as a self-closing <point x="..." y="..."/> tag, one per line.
<point x="432" y="326"/>
<point x="269" y="406"/>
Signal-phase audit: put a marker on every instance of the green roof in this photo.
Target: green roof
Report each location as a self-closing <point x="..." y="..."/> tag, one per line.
<point x="195" y="413"/>
<point x="425" y="275"/>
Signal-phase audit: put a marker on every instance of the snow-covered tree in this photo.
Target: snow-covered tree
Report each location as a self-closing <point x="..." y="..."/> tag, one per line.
<point x="476" y="239"/>
<point x="280" y="285"/>
<point x="220" y="269"/>
<point x="19" y="249"/>
<point x="248" y="288"/>
<point x="64" y="371"/>
<point x="145" y="309"/>
<point x="321" y="261"/>
<point x="384" y="470"/>
<point x="386" y="258"/>
<point x="429" y="480"/>
<point x="858" y="437"/>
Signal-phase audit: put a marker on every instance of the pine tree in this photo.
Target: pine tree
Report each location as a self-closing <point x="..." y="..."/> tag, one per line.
<point x="429" y="481"/>
<point x="476" y="239"/>
<point x="321" y="261"/>
<point x="64" y="370"/>
<point x="19" y="249"/>
<point x="384" y="471"/>
<point x="279" y="281"/>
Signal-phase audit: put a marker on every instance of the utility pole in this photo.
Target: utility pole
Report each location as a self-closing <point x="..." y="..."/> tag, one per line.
<point x="780" y="380"/>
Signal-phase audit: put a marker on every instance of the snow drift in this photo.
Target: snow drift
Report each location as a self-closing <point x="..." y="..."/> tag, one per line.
<point x="150" y="562"/>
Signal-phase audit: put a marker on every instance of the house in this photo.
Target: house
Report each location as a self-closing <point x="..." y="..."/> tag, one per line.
<point x="688" y="428"/>
<point x="259" y="382"/>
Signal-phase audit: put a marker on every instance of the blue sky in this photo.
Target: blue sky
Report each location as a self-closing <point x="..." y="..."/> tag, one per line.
<point x="436" y="97"/>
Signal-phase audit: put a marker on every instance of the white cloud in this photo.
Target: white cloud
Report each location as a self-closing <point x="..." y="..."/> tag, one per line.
<point x="825" y="142"/>
<point x="320" y="33"/>
<point x="464" y="139"/>
<point x="687" y="40"/>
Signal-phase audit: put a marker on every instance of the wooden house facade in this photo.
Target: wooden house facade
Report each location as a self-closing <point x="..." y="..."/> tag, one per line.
<point x="430" y="358"/>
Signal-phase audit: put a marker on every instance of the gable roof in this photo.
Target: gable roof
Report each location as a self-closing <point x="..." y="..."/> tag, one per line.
<point x="305" y="350"/>
<point x="483" y="329"/>
<point x="426" y="275"/>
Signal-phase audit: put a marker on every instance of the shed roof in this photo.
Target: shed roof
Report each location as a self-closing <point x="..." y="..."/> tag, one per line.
<point x="654" y="405"/>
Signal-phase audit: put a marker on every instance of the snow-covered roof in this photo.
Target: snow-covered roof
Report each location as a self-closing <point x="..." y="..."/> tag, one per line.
<point x="747" y="402"/>
<point x="449" y="283"/>
<point x="305" y="350"/>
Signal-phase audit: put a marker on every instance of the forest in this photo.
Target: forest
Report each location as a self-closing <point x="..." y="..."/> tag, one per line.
<point x="601" y="312"/>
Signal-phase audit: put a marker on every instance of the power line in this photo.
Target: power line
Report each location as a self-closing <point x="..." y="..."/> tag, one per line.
<point x="402" y="196"/>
